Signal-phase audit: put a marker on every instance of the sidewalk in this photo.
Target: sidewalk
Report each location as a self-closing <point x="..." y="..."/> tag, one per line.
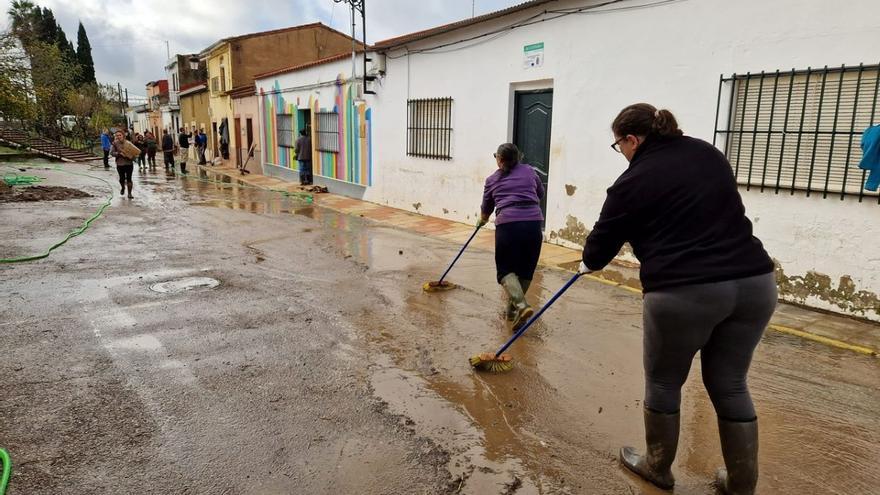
<point x="837" y="331"/>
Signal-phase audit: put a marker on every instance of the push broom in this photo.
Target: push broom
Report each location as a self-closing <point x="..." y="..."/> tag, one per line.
<point x="501" y="362"/>
<point x="441" y="285"/>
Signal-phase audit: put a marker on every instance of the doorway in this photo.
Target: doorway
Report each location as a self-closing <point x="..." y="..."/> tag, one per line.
<point x="215" y="138"/>
<point x="303" y="121"/>
<point x="249" y="130"/>
<point x="533" y="112"/>
<point x="237" y="124"/>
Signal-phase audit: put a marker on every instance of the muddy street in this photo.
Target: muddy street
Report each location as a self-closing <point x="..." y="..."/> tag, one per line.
<point x="207" y="338"/>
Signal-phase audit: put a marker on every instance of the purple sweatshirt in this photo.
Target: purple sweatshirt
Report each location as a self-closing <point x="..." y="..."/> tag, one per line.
<point x="516" y="197"/>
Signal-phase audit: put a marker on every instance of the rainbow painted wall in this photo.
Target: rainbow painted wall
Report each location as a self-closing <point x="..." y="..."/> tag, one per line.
<point x="353" y="163"/>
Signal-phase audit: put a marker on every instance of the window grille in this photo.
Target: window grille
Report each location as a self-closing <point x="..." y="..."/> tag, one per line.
<point x="215" y="85"/>
<point x="429" y="128"/>
<point x="284" y="130"/>
<point x="800" y="130"/>
<point x="327" y="131"/>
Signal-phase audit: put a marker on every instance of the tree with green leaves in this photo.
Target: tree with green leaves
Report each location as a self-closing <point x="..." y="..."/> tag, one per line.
<point x="16" y="91"/>
<point x="84" y="56"/>
<point x="59" y="79"/>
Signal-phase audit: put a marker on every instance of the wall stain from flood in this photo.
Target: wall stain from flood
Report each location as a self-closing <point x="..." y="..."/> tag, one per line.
<point x="575" y="231"/>
<point x="845" y="296"/>
<point x="570" y="189"/>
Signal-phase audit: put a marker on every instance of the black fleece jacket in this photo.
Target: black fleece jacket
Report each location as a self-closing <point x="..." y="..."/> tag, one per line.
<point x="679" y="208"/>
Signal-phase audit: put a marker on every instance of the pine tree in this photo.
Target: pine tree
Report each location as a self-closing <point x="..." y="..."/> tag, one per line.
<point x="84" y="56"/>
<point x="47" y="27"/>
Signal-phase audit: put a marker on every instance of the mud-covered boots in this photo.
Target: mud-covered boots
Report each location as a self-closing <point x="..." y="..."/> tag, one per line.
<point x="510" y="313"/>
<point x="515" y="292"/>
<point x="739" y="446"/>
<point x="661" y="438"/>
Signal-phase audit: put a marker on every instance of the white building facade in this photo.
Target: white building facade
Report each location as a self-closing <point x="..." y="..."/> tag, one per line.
<point x="550" y="76"/>
<point x="171" y="110"/>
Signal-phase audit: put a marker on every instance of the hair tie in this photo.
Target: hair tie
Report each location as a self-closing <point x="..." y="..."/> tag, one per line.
<point x="656" y="114"/>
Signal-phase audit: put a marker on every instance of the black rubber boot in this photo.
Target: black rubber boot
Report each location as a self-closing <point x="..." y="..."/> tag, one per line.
<point x="661" y="438"/>
<point x="130" y="185"/>
<point x="183" y="167"/>
<point x="739" y="446"/>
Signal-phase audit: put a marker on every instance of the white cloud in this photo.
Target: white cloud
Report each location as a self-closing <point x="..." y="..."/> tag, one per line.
<point x="128" y="36"/>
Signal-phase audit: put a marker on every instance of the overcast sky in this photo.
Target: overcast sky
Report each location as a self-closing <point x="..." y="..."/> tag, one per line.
<point x="128" y="37"/>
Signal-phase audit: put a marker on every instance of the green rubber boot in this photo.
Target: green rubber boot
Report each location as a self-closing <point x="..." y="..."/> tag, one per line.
<point x="510" y="312"/>
<point x="514" y="289"/>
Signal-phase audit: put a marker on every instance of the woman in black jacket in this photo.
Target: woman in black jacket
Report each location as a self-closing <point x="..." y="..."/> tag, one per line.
<point x="708" y="286"/>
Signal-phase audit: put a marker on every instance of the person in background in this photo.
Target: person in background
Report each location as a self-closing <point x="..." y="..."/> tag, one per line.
<point x="202" y="143"/>
<point x="708" y="285"/>
<point x="183" y="143"/>
<point x="142" y="146"/>
<point x="151" y="146"/>
<point x="124" y="165"/>
<point x="304" y="157"/>
<point x="514" y="192"/>
<point x="168" y="148"/>
<point x="106" y="143"/>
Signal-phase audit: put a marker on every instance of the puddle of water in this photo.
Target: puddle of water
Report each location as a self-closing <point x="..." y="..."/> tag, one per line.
<point x="406" y="394"/>
<point x="184" y="284"/>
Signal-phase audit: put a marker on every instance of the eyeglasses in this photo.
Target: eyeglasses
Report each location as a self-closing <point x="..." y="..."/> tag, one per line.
<point x="616" y="144"/>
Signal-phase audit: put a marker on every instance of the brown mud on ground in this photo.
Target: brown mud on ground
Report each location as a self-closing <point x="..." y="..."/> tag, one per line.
<point x="319" y="365"/>
<point x="40" y="193"/>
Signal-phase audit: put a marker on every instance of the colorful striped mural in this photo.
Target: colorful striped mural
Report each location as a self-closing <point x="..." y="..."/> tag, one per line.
<point x="353" y="163"/>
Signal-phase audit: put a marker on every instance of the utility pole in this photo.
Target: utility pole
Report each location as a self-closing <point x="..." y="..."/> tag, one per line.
<point x="473" y="8"/>
<point x="353" y="48"/>
<point x="121" y="107"/>
<point x="167" y="50"/>
<point x="359" y="6"/>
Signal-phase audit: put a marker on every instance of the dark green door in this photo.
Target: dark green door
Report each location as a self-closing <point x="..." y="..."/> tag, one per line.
<point x="531" y="132"/>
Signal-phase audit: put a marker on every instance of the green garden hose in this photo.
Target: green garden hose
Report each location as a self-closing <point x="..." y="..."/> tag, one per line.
<point x="73" y="233"/>
<point x="306" y="197"/>
<point x="7" y="470"/>
<point x="20" y="180"/>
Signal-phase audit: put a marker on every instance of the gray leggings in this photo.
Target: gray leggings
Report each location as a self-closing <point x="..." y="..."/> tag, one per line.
<point x="722" y="320"/>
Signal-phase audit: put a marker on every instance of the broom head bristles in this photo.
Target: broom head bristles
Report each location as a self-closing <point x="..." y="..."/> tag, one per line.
<point x="437" y="286"/>
<point x="488" y="362"/>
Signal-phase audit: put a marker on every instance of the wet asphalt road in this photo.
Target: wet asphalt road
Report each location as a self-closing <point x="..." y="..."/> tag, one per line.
<point x="319" y="366"/>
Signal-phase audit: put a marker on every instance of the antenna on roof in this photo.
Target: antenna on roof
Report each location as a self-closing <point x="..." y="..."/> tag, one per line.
<point x="359" y="6"/>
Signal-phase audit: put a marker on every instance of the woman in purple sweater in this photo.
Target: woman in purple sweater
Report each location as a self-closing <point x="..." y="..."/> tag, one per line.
<point x="514" y="192"/>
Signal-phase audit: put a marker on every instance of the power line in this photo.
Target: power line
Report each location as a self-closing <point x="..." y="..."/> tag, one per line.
<point x="497" y="33"/>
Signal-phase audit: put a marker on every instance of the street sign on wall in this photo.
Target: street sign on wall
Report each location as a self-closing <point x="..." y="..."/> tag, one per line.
<point x="533" y="55"/>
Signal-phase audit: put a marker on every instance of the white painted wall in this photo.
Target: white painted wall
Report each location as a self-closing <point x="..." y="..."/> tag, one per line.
<point x="142" y="122"/>
<point x="669" y="55"/>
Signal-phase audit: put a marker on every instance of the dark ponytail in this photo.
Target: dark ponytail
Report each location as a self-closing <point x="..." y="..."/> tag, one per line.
<point x="642" y="119"/>
<point x="509" y="155"/>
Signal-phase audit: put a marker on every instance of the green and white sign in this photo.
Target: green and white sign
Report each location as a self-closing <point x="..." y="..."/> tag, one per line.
<point x="533" y="55"/>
